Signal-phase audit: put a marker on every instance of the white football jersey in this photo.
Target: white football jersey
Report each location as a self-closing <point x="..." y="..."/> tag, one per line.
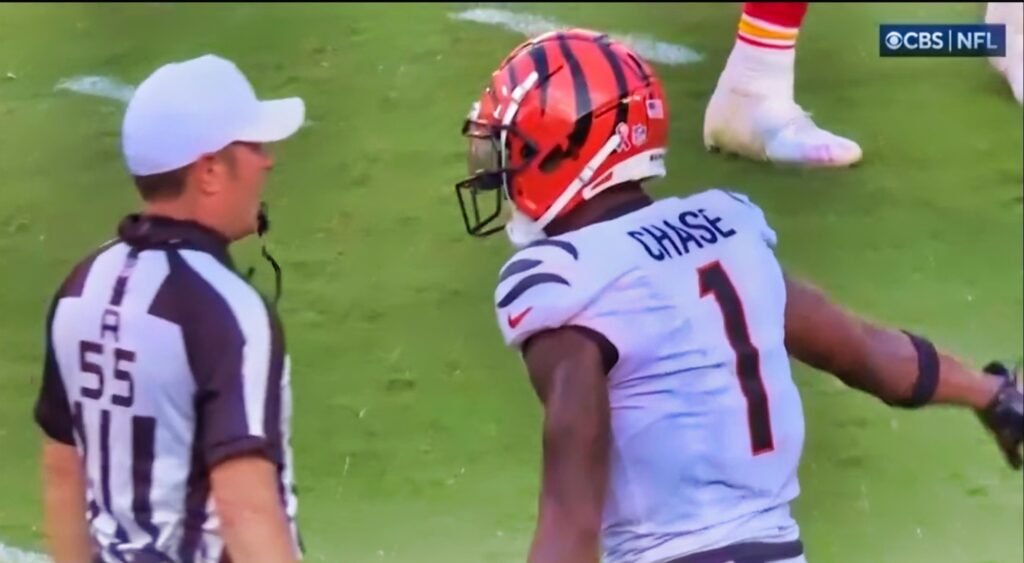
<point x="707" y="424"/>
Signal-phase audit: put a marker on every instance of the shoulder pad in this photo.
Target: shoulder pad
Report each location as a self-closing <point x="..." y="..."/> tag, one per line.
<point x="754" y="215"/>
<point x="541" y="288"/>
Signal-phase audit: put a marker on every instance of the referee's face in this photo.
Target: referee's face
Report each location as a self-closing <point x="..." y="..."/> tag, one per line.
<point x="246" y="167"/>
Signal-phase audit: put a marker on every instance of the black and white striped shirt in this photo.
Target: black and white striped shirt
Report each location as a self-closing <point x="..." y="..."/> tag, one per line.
<point x="162" y="362"/>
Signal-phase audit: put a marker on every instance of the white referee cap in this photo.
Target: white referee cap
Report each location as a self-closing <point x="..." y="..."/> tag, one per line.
<point x="188" y="109"/>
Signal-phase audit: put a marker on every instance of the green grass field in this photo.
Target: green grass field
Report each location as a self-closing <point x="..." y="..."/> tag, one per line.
<point x="416" y="432"/>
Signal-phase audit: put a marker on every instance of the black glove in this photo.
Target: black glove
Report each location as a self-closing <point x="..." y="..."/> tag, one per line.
<point x="1004" y="416"/>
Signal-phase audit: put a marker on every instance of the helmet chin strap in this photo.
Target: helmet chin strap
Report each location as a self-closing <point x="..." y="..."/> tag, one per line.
<point x="522" y="231"/>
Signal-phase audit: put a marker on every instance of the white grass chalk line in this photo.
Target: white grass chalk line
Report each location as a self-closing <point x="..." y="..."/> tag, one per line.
<point x="532" y="24"/>
<point x="101" y="86"/>
<point x="109" y="88"/>
<point x="14" y="555"/>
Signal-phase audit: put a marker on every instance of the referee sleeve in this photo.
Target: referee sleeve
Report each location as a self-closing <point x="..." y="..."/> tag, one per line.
<point x="236" y="350"/>
<point x="52" y="410"/>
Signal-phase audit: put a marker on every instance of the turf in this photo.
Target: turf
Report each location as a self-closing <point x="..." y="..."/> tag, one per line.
<point x="416" y="433"/>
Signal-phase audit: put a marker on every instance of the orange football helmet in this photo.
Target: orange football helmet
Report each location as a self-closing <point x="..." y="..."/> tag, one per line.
<point x="567" y="115"/>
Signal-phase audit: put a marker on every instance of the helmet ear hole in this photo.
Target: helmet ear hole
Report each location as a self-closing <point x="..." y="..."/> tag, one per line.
<point x="527" y="152"/>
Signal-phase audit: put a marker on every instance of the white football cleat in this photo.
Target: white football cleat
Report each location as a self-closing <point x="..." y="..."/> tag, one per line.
<point x="777" y="130"/>
<point x="1011" y="66"/>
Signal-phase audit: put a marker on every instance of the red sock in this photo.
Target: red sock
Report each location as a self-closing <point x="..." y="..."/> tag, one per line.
<point x="772" y="25"/>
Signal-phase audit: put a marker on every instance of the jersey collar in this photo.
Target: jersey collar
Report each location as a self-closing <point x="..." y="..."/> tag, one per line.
<point x="154" y="231"/>
<point x="625" y="208"/>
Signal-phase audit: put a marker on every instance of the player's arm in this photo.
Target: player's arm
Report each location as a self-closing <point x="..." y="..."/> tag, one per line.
<point x="67" y="533"/>
<point x="869" y="357"/>
<point x="900" y="369"/>
<point x="567" y="372"/>
<point x="253" y="522"/>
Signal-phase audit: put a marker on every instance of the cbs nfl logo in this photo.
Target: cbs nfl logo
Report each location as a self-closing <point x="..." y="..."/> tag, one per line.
<point x="942" y="40"/>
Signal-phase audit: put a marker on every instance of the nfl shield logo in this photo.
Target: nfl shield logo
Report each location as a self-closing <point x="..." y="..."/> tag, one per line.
<point x="639" y="135"/>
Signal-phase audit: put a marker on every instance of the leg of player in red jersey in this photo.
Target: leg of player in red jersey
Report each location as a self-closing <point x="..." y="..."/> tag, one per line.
<point x="1011" y="66"/>
<point x="752" y="111"/>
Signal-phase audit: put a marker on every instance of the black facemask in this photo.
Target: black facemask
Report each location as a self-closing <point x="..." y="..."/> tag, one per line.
<point x="489" y="175"/>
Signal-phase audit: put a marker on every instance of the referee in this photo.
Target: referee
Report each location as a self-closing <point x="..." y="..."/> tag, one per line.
<point x="165" y="397"/>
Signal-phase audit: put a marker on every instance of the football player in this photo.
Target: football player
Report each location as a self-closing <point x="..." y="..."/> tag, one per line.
<point x="1011" y="66"/>
<point x="753" y="113"/>
<point x="657" y="334"/>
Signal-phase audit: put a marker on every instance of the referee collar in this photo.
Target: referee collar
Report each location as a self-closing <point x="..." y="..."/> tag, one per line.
<point x="155" y="231"/>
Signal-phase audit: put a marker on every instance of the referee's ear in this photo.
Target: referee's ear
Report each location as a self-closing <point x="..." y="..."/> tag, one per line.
<point x="212" y="172"/>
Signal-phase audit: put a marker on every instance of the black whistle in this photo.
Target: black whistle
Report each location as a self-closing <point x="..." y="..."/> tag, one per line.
<point x="262" y="220"/>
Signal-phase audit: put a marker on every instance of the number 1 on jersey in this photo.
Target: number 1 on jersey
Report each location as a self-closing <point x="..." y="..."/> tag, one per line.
<point x="715" y="281"/>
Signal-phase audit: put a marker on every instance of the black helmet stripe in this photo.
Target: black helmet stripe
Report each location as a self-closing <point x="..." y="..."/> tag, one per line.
<point x="539" y="56"/>
<point x="584" y="108"/>
<point x="621" y="112"/>
<point x="638" y="68"/>
<point x="513" y="76"/>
